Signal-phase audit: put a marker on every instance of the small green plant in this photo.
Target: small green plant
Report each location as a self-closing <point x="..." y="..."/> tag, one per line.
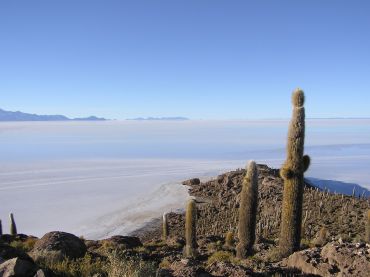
<point x="120" y="266"/>
<point x="165" y="263"/>
<point x="221" y="256"/>
<point x="214" y="246"/>
<point x="142" y="250"/>
<point x="83" y="267"/>
<point x="190" y="230"/>
<point x="305" y="243"/>
<point x="13" y="227"/>
<point x="24" y="246"/>
<point x="155" y="244"/>
<point x="248" y="212"/>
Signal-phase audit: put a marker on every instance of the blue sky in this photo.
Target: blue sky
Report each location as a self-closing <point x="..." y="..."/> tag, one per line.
<point x="204" y="59"/>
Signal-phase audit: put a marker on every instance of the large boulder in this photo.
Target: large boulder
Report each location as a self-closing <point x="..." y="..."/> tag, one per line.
<point x="55" y="246"/>
<point x="17" y="268"/>
<point x="122" y="242"/>
<point x="334" y="259"/>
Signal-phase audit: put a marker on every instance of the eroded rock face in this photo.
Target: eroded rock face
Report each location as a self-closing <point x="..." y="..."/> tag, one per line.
<point x="55" y="246"/>
<point x="334" y="259"/>
<point x="17" y="268"/>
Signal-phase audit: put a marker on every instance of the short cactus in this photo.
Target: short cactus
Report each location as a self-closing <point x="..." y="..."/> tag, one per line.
<point x="248" y="212"/>
<point x="13" y="227"/>
<point x="292" y="172"/>
<point x="229" y="240"/>
<point x="165" y="227"/>
<point x="190" y="230"/>
<point x="368" y="227"/>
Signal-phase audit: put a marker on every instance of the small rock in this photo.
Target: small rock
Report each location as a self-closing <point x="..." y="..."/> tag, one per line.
<point x="40" y="273"/>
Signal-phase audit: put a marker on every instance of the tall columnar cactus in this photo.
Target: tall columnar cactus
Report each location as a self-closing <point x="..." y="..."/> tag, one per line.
<point x="13" y="227"/>
<point x="190" y="230"/>
<point x="292" y="172"/>
<point x="368" y="227"/>
<point x="164" y="227"/>
<point x="248" y="212"/>
<point x="1" y="228"/>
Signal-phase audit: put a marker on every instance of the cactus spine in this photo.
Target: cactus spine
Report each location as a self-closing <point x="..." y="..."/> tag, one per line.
<point x="292" y="172"/>
<point x="368" y="227"/>
<point x="13" y="227"/>
<point x="190" y="230"/>
<point x="248" y="212"/>
<point x="165" y="227"/>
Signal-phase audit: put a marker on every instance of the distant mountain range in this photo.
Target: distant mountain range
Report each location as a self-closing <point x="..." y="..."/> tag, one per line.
<point x="178" y="118"/>
<point x="20" y="116"/>
<point x="339" y="187"/>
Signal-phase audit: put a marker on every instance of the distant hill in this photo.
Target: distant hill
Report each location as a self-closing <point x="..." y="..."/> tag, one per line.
<point x="20" y="116"/>
<point x="178" y="118"/>
<point x="339" y="187"/>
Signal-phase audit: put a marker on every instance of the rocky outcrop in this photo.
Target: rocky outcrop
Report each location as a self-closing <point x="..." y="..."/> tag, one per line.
<point x="17" y="268"/>
<point x="334" y="259"/>
<point x="218" y="203"/>
<point x="55" y="246"/>
<point x="191" y="182"/>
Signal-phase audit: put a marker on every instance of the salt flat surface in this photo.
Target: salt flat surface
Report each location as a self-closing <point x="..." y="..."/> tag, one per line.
<point x="102" y="178"/>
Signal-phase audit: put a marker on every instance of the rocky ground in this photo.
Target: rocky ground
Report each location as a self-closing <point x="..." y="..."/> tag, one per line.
<point x="332" y="243"/>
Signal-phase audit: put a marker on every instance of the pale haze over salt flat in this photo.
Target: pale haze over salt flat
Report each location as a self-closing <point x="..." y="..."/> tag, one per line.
<point x="102" y="178"/>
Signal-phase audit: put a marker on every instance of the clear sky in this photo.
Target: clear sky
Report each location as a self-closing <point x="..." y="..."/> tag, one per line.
<point x="203" y="59"/>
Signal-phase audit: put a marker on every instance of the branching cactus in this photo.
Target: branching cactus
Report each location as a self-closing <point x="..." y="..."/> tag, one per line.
<point x="368" y="227"/>
<point x="13" y="227"/>
<point x="248" y="212"/>
<point x="165" y="227"/>
<point x="292" y="172"/>
<point x="190" y="230"/>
